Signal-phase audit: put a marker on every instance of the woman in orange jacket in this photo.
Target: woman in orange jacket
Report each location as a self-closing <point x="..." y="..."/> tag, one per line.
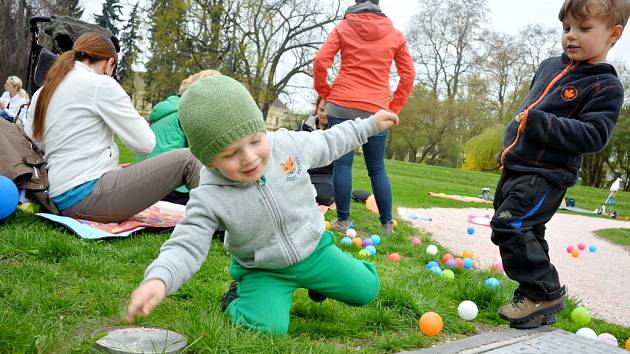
<point x="369" y="44"/>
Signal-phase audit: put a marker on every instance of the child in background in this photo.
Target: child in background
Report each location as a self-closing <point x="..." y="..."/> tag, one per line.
<point x="571" y="109"/>
<point x="256" y="188"/>
<point x="164" y="120"/>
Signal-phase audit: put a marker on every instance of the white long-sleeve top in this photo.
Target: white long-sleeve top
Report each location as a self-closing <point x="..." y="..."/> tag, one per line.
<point x="84" y="114"/>
<point x="14" y="105"/>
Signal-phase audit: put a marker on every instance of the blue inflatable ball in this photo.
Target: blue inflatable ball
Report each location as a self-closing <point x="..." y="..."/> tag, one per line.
<point x="592" y="248"/>
<point x="437" y="270"/>
<point x="371" y="249"/>
<point x="9" y="197"/>
<point x="492" y="283"/>
<point x="432" y="264"/>
<point x="470" y="230"/>
<point x="346" y="241"/>
<point x="376" y="239"/>
<point x="468" y="263"/>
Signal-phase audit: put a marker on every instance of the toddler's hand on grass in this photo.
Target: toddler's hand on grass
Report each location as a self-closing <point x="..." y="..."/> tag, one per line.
<point x="385" y="119"/>
<point x="145" y="298"/>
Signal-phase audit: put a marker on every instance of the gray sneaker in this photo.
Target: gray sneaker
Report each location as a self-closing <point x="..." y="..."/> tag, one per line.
<point x="387" y="229"/>
<point x="341" y="225"/>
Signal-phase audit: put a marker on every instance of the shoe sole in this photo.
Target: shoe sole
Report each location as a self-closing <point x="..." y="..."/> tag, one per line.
<point x="535" y="322"/>
<point x="545" y="312"/>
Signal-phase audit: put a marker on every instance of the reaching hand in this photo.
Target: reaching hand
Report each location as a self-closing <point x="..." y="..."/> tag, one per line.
<point x="385" y="119"/>
<point x="145" y="298"/>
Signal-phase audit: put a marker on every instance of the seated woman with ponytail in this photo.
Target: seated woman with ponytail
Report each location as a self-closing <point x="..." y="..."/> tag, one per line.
<point x="74" y="118"/>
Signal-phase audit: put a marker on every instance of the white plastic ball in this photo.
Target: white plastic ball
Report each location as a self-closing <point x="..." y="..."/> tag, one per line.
<point x="587" y="332"/>
<point x="467" y="310"/>
<point x="351" y="233"/>
<point x="432" y="250"/>
<point x="608" y="339"/>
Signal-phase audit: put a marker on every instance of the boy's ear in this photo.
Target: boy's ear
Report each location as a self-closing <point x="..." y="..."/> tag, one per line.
<point x="615" y="34"/>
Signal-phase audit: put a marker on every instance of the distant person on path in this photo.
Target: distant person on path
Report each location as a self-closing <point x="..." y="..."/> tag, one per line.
<point x="321" y="177"/>
<point x="369" y="44"/>
<point x="14" y="100"/>
<point x="75" y="116"/>
<point x="572" y="108"/>
<point x="164" y="120"/>
<point x="256" y="188"/>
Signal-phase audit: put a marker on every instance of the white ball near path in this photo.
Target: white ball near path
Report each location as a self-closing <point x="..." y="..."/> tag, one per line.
<point x="467" y="310"/>
<point x="587" y="332"/>
<point x="608" y="339"/>
<point x="432" y="250"/>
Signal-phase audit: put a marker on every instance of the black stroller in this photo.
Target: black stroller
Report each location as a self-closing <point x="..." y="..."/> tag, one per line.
<point x="63" y="31"/>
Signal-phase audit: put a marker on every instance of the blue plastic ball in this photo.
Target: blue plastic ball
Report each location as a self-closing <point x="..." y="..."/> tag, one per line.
<point x="376" y="239"/>
<point x="351" y="226"/>
<point x="437" y="270"/>
<point x="9" y="197"/>
<point x="492" y="283"/>
<point x="432" y="264"/>
<point x="468" y="263"/>
<point x="346" y="241"/>
<point x="470" y="230"/>
<point x="371" y="249"/>
<point x="592" y="248"/>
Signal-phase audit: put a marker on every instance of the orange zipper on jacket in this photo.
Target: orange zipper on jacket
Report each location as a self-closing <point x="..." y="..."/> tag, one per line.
<point x="523" y="121"/>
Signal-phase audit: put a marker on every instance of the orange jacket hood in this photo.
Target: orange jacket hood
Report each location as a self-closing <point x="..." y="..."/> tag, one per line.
<point x="370" y="27"/>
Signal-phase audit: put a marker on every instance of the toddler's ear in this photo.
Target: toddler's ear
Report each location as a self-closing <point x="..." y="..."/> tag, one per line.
<point x="616" y="33"/>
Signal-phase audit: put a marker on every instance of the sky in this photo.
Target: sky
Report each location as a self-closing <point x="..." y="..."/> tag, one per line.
<point x="508" y="16"/>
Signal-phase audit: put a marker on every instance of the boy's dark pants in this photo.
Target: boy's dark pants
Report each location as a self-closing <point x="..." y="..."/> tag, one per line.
<point x="523" y="204"/>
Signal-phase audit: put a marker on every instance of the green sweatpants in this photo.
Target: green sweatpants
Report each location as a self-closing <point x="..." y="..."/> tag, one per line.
<point x="265" y="295"/>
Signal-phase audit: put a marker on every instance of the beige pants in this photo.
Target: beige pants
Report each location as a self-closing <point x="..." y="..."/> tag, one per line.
<point x="124" y="192"/>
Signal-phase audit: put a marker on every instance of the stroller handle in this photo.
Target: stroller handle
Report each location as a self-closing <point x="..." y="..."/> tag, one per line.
<point x="37" y="19"/>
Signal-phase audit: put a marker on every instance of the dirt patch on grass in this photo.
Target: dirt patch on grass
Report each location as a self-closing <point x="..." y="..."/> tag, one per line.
<point x="598" y="280"/>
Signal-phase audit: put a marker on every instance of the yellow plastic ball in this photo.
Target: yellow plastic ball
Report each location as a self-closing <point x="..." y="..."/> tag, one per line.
<point x="328" y="225"/>
<point x="628" y="344"/>
<point x="394" y="223"/>
<point x="468" y="254"/>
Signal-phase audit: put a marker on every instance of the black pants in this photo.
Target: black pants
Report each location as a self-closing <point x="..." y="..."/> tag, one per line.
<point x="324" y="193"/>
<point x="523" y="204"/>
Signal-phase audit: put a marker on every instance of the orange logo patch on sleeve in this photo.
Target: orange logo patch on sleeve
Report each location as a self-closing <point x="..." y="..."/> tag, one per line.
<point x="569" y="93"/>
<point x="288" y="166"/>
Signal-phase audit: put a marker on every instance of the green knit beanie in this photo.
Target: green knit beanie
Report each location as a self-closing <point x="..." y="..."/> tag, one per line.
<point x="216" y="111"/>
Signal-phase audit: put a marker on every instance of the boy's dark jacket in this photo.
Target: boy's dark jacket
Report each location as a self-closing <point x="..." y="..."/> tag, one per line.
<point x="575" y="115"/>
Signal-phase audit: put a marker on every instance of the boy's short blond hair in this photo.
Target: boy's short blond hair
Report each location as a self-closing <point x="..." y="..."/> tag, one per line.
<point x="194" y="77"/>
<point x="612" y="12"/>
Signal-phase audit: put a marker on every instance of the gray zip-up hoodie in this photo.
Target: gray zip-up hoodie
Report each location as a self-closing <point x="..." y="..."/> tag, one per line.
<point x="273" y="223"/>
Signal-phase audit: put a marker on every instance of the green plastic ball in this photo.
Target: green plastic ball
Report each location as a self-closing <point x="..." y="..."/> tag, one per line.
<point x="364" y="253"/>
<point x="581" y="316"/>
<point x="448" y="274"/>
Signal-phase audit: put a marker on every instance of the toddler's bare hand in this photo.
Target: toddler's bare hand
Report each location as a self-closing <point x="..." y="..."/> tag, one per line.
<point x="145" y="298"/>
<point x="385" y="120"/>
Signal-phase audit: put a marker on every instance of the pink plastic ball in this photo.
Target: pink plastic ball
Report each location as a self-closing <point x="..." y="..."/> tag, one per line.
<point x="416" y="241"/>
<point x="569" y="249"/>
<point x="581" y="246"/>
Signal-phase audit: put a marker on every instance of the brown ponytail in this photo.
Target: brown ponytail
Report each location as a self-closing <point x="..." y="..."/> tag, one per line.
<point x="92" y="46"/>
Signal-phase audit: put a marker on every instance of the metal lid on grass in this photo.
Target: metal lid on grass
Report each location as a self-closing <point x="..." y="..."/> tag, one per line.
<point x="132" y="339"/>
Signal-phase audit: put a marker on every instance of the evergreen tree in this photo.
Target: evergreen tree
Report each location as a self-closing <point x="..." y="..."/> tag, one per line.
<point x="69" y="8"/>
<point x="110" y="16"/>
<point x="170" y="50"/>
<point x="130" y="38"/>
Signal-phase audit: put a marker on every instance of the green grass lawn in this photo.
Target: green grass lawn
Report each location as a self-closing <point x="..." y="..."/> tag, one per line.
<point x="56" y="290"/>
<point x="618" y="236"/>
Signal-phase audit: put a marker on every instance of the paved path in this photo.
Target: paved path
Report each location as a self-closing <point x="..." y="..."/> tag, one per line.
<point x="543" y="340"/>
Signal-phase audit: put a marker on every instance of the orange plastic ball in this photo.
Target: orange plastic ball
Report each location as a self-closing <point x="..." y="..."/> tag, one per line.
<point x="357" y="242"/>
<point x="430" y="324"/>
<point x="628" y="344"/>
<point x="575" y="252"/>
<point x="328" y="225"/>
<point x="393" y="257"/>
<point x="468" y="254"/>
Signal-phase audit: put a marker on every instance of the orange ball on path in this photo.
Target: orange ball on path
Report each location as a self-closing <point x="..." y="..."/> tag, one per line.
<point x="575" y="252"/>
<point x="430" y="323"/>
<point x="468" y="254"/>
